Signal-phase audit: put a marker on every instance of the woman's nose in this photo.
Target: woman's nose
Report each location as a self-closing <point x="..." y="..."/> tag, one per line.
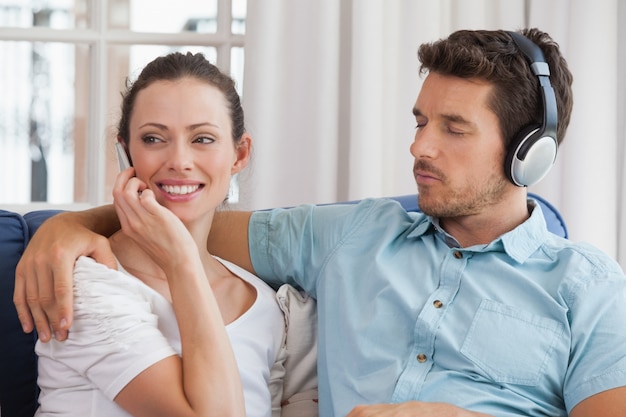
<point x="180" y="157"/>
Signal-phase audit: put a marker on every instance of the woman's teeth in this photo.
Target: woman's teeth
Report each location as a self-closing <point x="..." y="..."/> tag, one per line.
<point x="180" y="189"/>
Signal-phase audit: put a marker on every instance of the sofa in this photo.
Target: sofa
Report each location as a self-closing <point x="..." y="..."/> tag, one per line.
<point x="18" y="363"/>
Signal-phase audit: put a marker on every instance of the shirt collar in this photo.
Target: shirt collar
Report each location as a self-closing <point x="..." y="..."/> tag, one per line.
<point x="525" y="239"/>
<point x="519" y="243"/>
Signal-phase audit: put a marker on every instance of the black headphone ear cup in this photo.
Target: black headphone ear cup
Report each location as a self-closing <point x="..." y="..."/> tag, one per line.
<point x="530" y="157"/>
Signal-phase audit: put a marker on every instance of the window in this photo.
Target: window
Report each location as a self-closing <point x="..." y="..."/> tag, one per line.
<point x="65" y="63"/>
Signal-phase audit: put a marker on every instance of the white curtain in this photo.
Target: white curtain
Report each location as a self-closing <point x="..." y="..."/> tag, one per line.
<point x="329" y="86"/>
<point x="621" y="135"/>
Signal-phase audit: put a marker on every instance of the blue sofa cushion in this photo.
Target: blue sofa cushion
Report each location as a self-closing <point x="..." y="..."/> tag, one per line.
<point x="18" y="367"/>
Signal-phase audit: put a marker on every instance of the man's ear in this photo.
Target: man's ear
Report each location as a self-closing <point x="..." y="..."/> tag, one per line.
<point x="242" y="153"/>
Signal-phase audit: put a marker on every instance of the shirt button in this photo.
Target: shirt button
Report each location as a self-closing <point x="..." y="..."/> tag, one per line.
<point x="437" y="304"/>
<point x="421" y="358"/>
<point x="458" y="255"/>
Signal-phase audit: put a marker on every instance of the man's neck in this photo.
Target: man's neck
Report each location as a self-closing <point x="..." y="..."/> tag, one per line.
<point x="492" y="222"/>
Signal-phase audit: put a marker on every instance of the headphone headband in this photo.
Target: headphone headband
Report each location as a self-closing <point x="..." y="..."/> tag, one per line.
<point x="533" y="151"/>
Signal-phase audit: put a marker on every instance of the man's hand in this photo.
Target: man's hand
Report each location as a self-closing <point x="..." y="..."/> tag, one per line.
<point x="43" y="293"/>
<point x="412" y="409"/>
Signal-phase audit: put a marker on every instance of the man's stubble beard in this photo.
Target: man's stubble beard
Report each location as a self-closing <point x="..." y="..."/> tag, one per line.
<point x="465" y="201"/>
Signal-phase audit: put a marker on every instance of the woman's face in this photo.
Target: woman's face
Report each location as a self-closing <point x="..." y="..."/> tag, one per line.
<point x="181" y="145"/>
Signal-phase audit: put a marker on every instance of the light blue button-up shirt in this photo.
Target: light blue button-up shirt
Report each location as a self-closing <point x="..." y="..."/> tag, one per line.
<point x="530" y="324"/>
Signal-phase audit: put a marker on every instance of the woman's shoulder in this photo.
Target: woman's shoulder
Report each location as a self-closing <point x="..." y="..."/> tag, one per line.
<point x="261" y="286"/>
<point x="265" y="306"/>
<point x="96" y="285"/>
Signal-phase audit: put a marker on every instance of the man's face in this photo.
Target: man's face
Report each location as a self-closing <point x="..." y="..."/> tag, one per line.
<point x="458" y="148"/>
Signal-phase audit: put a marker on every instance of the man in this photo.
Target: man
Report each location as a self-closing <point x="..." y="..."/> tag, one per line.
<point x="471" y="308"/>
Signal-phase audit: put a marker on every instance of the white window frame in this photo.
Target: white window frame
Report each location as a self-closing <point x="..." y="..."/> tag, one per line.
<point x="99" y="37"/>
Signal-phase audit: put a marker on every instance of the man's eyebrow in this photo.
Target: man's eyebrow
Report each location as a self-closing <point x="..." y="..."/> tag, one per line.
<point x="457" y="118"/>
<point x="453" y="117"/>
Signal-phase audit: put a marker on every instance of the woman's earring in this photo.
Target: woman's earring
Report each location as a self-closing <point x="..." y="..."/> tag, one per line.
<point x="233" y="189"/>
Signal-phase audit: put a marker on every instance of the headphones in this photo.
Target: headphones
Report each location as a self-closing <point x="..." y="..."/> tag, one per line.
<point x="532" y="152"/>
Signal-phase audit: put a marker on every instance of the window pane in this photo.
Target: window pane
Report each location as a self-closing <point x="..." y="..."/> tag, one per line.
<point x="46" y="96"/>
<point x="239" y="17"/>
<point x="42" y="122"/>
<point x="56" y="14"/>
<point x="236" y="67"/>
<point x="159" y="16"/>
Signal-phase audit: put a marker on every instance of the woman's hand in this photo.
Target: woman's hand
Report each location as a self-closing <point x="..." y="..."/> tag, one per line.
<point x="157" y="230"/>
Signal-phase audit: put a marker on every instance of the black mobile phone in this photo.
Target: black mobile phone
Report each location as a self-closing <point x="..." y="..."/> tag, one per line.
<point x="122" y="158"/>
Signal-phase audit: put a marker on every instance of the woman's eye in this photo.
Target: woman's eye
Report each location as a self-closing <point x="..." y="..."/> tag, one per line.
<point x="150" y="139"/>
<point x="204" y="139"/>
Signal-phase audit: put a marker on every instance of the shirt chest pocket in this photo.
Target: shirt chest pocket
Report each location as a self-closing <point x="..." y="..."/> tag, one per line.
<point x="510" y="345"/>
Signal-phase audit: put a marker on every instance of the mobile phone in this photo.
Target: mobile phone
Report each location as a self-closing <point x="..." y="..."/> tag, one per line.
<point x="122" y="158"/>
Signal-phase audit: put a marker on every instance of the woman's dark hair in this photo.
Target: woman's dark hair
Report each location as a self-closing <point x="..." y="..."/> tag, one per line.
<point x="173" y="67"/>
<point x="494" y="57"/>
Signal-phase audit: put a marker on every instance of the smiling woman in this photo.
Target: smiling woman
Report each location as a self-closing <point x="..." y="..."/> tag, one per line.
<point x="201" y="335"/>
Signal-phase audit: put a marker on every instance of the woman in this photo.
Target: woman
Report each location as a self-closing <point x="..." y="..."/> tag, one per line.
<point x="176" y="331"/>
